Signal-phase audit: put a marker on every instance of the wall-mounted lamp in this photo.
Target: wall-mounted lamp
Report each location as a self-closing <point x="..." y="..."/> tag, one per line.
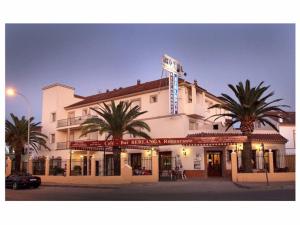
<point x="239" y="147"/>
<point x="184" y="151"/>
<point x="149" y="152"/>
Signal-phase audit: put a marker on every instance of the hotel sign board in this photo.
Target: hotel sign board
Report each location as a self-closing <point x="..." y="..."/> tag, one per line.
<point x="172" y="65"/>
<point x="174" y="70"/>
<point x="173" y="90"/>
<point x="161" y="141"/>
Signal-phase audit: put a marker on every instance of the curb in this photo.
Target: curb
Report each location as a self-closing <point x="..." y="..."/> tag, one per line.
<point x="78" y="186"/>
<point x="241" y="186"/>
<point x="261" y="186"/>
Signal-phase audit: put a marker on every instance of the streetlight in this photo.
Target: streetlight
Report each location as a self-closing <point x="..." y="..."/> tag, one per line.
<point x="12" y="92"/>
<point x="265" y="166"/>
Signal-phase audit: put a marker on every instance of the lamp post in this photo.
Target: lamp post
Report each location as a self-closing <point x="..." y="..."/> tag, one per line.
<point x="266" y="171"/>
<point x="13" y="92"/>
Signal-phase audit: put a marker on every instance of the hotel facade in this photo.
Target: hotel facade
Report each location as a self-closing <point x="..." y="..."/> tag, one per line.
<point x="63" y="111"/>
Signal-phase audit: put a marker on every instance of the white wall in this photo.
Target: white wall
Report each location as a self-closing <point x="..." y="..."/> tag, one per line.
<point x="54" y="99"/>
<point x="289" y="133"/>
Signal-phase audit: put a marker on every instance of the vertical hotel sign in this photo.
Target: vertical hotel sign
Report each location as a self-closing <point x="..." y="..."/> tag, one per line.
<point x="174" y="70"/>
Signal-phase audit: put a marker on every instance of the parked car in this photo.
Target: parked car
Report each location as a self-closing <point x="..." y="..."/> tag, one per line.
<point x="22" y="180"/>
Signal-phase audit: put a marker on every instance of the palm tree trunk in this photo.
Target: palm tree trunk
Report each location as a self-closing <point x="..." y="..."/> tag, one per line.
<point x="117" y="160"/>
<point x="247" y="157"/>
<point x="17" y="161"/>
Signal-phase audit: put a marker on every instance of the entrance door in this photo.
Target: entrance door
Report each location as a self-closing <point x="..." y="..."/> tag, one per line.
<point x="85" y="165"/>
<point x="109" y="164"/>
<point x="167" y="163"/>
<point x="214" y="164"/>
<point x="97" y="168"/>
<point x="71" y="118"/>
<point x="136" y="161"/>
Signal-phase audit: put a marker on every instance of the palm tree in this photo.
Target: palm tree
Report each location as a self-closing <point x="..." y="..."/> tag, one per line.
<point x="116" y="121"/>
<point x="16" y="134"/>
<point x="249" y="107"/>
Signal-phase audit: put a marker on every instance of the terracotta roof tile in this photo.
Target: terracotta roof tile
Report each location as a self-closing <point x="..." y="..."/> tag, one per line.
<point x="123" y="91"/>
<point x="151" y="85"/>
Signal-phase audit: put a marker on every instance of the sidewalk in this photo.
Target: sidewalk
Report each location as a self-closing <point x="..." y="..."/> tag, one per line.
<point x="190" y="185"/>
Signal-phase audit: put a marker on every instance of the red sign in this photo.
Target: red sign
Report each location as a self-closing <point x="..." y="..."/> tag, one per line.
<point x="161" y="141"/>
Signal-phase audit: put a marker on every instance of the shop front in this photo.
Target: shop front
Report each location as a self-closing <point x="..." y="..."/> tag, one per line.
<point x="198" y="156"/>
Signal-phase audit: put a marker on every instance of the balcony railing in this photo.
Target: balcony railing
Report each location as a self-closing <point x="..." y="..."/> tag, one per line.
<point x="72" y="121"/>
<point x="62" y="145"/>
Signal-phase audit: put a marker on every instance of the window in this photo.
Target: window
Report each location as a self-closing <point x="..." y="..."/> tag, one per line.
<point x="84" y="112"/>
<point x="209" y="104"/>
<point x="153" y="98"/>
<point x="72" y="136"/>
<point x="71" y="114"/>
<point x="229" y="155"/>
<point x="215" y="126"/>
<point x="189" y="91"/>
<point x="52" y="140"/>
<point x="193" y="125"/>
<point x="53" y="117"/>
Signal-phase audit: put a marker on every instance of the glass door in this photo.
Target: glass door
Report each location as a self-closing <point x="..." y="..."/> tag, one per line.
<point x="214" y="164"/>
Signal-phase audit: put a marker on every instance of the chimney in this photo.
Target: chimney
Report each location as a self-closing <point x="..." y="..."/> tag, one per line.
<point x="195" y="82"/>
<point x="138" y="82"/>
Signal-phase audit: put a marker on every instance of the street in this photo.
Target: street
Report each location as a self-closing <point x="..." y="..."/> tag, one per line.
<point x="206" y="190"/>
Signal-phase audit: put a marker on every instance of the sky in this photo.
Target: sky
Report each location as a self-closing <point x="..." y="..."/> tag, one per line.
<point x="96" y="57"/>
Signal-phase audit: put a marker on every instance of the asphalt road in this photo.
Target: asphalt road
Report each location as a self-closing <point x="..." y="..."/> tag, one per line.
<point x="209" y="190"/>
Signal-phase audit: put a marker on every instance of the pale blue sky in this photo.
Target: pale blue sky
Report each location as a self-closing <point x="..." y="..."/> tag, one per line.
<point x="100" y="56"/>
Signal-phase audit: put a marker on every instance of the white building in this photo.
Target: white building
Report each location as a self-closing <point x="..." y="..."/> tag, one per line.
<point x="287" y="128"/>
<point x="63" y="111"/>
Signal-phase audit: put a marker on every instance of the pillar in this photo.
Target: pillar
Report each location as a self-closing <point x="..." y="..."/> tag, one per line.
<point x="271" y="162"/>
<point x="68" y="170"/>
<point x="124" y="159"/>
<point x="82" y="165"/>
<point x="155" y="168"/>
<point x="234" y="165"/>
<point x="93" y="166"/>
<point x="8" y="167"/>
<point x="47" y="166"/>
<point x="88" y="163"/>
<point x="126" y="170"/>
<point x="30" y="169"/>
<point x="68" y="137"/>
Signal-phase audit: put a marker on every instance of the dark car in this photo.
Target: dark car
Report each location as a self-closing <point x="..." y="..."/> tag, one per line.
<point x="22" y="180"/>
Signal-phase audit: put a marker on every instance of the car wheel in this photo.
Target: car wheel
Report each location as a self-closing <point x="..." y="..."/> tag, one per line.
<point x="15" y="186"/>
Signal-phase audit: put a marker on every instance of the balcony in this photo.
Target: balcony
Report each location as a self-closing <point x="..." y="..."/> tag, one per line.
<point x="62" y="145"/>
<point x="72" y="121"/>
